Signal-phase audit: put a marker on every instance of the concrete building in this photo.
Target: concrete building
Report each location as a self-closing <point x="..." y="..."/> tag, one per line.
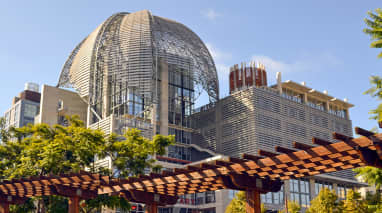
<point x="24" y="107"/>
<point x="58" y="103"/>
<point x="262" y="117"/>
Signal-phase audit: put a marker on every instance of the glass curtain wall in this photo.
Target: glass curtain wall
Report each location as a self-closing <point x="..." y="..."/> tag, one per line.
<point x="299" y="190"/>
<point x="180" y="106"/>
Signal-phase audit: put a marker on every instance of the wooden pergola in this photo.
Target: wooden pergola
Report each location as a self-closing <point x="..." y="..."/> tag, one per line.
<point x="253" y="174"/>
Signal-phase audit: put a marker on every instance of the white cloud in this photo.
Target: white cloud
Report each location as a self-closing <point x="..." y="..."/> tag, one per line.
<point x="211" y="14"/>
<point x="217" y="54"/>
<point x="306" y="63"/>
<point x="303" y="63"/>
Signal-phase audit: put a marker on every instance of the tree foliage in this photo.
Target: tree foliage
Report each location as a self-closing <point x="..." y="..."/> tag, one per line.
<point x="354" y="203"/>
<point x="374" y="202"/>
<point x="42" y="150"/>
<point x="374" y="22"/>
<point x="293" y="207"/>
<point x="237" y="204"/>
<point x="325" y="202"/>
<point x="376" y="92"/>
<point x="372" y="175"/>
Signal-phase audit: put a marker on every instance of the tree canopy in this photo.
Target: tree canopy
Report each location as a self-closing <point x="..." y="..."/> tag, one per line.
<point x="374" y="22"/>
<point x="354" y="203"/>
<point x="42" y="150"/>
<point x="325" y="202"/>
<point x="237" y="204"/>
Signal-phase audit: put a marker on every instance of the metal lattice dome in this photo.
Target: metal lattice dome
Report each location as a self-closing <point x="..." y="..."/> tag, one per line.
<point x="124" y="49"/>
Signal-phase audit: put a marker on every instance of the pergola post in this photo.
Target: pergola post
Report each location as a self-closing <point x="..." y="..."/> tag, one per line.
<point x="4" y="207"/>
<point x="151" y="208"/>
<point x="253" y="204"/>
<point x="74" y="204"/>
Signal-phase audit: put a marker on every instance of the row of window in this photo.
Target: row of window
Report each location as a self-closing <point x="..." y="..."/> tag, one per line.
<point x="181" y="136"/>
<point x="300" y="192"/>
<point x="179" y="152"/>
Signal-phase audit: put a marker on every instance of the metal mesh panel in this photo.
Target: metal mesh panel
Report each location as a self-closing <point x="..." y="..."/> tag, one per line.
<point x="123" y="52"/>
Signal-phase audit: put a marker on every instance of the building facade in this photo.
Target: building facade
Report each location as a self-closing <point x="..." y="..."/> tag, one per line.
<point x="24" y="107"/>
<point x="262" y="117"/>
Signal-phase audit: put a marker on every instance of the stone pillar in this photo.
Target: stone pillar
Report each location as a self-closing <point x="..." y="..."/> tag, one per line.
<point x="327" y="106"/>
<point x="305" y="98"/>
<point x="347" y="114"/>
<point x="312" y="188"/>
<point x="287" y="189"/>
<point x="335" y="186"/>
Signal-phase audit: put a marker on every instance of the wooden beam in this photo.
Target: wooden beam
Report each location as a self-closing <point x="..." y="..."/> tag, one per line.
<point x="341" y="137"/>
<point x="4" y="207"/>
<point x="363" y="132"/>
<point x="236" y="160"/>
<point x="74" y="205"/>
<point x="253" y="203"/>
<point x="151" y="208"/>
<point x="284" y="150"/>
<point x="266" y="153"/>
<point x="251" y="157"/>
<point x="301" y="146"/>
<point x="320" y="142"/>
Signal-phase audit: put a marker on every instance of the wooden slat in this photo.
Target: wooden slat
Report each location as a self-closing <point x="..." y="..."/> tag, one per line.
<point x="266" y="153"/>
<point x="251" y="157"/>
<point x="301" y="146"/>
<point x="321" y="142"/>
<point x="341" y="137"/>
<point x="284" y="150"/>
<point x="363" y="132"/>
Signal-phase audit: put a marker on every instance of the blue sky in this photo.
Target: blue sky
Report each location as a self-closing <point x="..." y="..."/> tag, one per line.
<point x="319" y="42"/>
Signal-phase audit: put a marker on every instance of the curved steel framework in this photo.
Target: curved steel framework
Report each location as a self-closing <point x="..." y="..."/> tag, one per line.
<point x="123" y="52"/>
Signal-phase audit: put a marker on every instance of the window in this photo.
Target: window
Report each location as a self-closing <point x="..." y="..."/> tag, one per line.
<point x="30" y="110"/>
<point x="342" y="191"/>
<point x="273" y="197"/>
<point x="60" y="104"/>
<point x="321" y="184"/>
<point x="299" y="190"/>
<point x="179" y="152"/>
<point x="232" y="194"/>
<point x="292" y="95"/>
<point x="210" y="197"/>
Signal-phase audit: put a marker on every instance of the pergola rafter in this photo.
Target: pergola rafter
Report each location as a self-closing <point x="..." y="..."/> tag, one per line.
<point x="254" y="174"/>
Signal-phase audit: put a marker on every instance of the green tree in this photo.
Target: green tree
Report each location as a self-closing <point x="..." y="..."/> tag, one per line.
<point x="354" y="203"/>
<point x="4" y="134"/>
<point x="376" y="92"/>
<point x="237" y="204"/>
<point x="375" y="28"/>
<point x="325" y="202"/>
<point x="372" y="175"/>
<point x="293" y="207"/>
<point x="41" y="150"/>
<point x="373" y="201"/>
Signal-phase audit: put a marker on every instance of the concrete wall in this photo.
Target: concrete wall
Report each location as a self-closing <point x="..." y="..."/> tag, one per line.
<point x="260" y="118"/>
<point x="72" y="105"/>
